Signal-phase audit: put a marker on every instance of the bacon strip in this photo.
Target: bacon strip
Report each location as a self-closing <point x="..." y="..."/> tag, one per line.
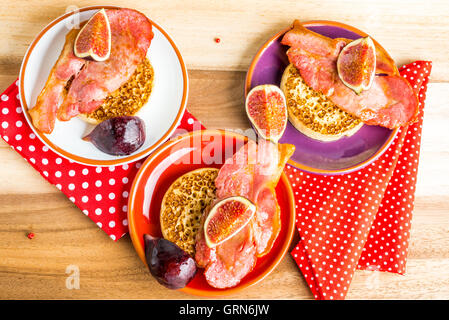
<point x="67" y="66"/>
<point x="390" y="102"/>
<point x="253" y="172"/>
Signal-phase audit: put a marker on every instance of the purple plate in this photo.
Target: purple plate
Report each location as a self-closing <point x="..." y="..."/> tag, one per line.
<point x="342" y="156"/>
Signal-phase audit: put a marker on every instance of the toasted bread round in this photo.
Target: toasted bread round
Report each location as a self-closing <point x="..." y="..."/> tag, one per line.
<point x="312" y="113"/>
<point x="126" y="100"/>
<point x="183" y="205"/>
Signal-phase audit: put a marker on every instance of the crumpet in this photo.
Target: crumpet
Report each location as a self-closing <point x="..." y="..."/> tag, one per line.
<point x="312" y="113"/>
<point x="183" y="206"/>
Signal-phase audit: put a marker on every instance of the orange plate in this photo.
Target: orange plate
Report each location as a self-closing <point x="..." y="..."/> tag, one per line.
<point x="198" y="149"/>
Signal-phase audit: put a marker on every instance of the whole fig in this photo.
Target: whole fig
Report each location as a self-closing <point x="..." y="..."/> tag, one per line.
<point x="118" y="136"/>
<point x="168" y="263"/>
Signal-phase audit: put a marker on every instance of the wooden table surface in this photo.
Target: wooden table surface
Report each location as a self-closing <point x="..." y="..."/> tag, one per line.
<point x="36" y="269"/>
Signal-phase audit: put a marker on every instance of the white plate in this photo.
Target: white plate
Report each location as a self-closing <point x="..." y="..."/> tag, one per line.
<point x="161" y="114"/>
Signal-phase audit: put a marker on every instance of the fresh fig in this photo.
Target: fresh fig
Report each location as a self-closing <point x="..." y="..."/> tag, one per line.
<point x="356" y="64"/>
<point x="119" y="136"/>
<point x="94" y="38"/>
<point x="226" y="218"/>
<point x="169" y="264"/>
<point x="267" y="110"/>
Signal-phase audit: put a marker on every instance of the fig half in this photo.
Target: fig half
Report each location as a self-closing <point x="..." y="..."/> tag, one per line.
<point x="356" y="64"/>
<point x="267" y="110"/>
<point x="226" y="218"/>
<point x="94" y="38"/>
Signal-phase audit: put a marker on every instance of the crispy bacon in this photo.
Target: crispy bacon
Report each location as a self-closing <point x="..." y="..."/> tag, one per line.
<point x="390" y="102"/>
<point x="67" y="66"/>
<point x="92" y="81"/>
<point x="253" y="172"/>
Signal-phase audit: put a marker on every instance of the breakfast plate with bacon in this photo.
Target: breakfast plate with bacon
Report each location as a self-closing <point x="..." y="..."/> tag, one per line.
<point x="344" y="96"/>
<point x="211" y="212"/>
<point x="103" y="85"/>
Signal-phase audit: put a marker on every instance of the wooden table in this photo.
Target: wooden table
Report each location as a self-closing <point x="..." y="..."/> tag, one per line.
<point x="36" y="268"/>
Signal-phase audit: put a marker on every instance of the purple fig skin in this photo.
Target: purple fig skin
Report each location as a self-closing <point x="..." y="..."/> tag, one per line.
<point x="169" y="264"/>
<point x="118" y="136"/>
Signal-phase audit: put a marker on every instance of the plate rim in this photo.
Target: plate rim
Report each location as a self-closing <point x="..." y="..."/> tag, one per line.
<point x="313" y="23"/>
<point x="118" y="160"/>
<point x="198" y="292"/>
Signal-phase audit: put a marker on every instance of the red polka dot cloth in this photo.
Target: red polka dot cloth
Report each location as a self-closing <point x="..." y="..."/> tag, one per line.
<point x="361" y="219"/>
<point x="100" y="192"/>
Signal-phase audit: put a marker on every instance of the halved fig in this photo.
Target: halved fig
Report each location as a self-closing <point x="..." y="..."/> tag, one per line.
<point x="94" y="38"/>
<point x="267" y="110"/>
<point x="356" y="64"/>
<point x="226" y="218"/>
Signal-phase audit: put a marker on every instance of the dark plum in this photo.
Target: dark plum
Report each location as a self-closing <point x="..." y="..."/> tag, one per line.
<point x="118" y="136"/>
<point x="168" y="263"/>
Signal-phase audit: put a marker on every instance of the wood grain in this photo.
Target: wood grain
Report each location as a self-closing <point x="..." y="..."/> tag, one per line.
<point x="36" y="269"/>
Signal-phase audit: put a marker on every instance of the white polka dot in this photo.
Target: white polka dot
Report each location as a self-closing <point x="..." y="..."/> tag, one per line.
<point x="112" y="196"/>
<point x="190" y="121"/>
<point x="98" y="197"/>
<point x="72" y="173"/>
<point x="125" y="222"/>
<point x="125" y="194"/>
<point x="71" y="186"/>
<point x="4" y="124"/>
<point x="111" y="209"/>
<point x="85" y="185"/>
<point x="19" y="124"/>
<point x="44" y="161"/>
<point x="5" y="97"/>
<point x="85" y="199"/>
<point x="18" y="137"/>
<point x="98" y="211"/>
<point x="32" y="136"/>
<point x="111" y="224"/>
<point x="111" y="168"/>
<point x="98" y="169"/>
<point x="125" y="180"/>
<point x="85" y="171"/>
<point x="125" y="209"/>
<point x="31" y="148"/>
<point x="58" y="174"/>
<point x="98" y="183"/>
<point x="5" y="110"/>
<point x="125" y="167"/>
<point x="58" y="160"/>
<point x="111" y="181"/>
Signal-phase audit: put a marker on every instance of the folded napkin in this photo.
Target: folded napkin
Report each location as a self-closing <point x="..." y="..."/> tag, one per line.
<point x="361" y="219"/>
<point x="100" y="192"/>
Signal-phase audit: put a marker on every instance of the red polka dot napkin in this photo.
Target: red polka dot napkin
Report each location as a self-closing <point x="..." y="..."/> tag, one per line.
<point x="100" y="192"/>
<point x="361" y="219"/>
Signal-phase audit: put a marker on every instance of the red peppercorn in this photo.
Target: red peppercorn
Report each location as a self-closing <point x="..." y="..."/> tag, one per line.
<point x="30" y="235"/>
<point x="217" y="40"/>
